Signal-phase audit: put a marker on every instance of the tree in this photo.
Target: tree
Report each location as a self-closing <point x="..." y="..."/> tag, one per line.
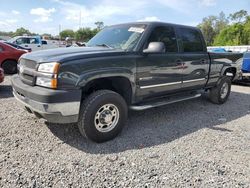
<point x="99" y="25"/>
<point x="246" y="32"/>
<point x="238" y="16"/>
<point x="67" y="33"/>
<point x="21" y="31"/>
<point x="220" y="23"/>
<point x="232" y="35"/>
<point x="84" y="34"/>
<point x="207" y="28"/>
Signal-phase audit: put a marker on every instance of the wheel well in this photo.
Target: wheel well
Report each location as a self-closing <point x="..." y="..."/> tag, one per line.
<point x="230" y="70"/>
<point x="120" y="85"/>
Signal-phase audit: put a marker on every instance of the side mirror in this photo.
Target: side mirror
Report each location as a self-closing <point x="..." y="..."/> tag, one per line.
<point x="155" y="47"/>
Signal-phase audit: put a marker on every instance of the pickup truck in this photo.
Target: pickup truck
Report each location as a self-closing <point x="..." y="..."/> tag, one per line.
<point x="133" y="66"/>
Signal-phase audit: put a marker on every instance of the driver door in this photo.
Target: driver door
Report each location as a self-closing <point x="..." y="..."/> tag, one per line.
<point x="160" y="73"/>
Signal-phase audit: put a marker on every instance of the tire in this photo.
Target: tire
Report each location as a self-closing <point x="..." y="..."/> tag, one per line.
<point x="102" y="116"/>
<point x="10" y="67"/>
<point x="221" y="92"/>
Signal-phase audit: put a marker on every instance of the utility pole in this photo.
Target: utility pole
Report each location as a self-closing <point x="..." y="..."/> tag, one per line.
<point x="59" y="34"/>
<point x="80" y="19"/>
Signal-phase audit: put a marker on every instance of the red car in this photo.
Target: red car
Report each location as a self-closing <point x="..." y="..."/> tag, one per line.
<point x="9" y="57"/>
<point x="1" y="75"/>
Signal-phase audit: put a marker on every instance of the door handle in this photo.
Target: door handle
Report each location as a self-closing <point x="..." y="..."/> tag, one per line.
<point x="203" y="61"/>
<point x="179" y="62"/>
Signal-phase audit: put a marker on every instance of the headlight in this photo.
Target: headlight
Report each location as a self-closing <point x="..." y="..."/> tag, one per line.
<point x="47" y="82"/>
<point x="48" y="76"/>
<point x="49" y="67"/>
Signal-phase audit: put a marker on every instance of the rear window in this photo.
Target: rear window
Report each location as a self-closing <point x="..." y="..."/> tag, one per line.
<point x="191" y="40"/>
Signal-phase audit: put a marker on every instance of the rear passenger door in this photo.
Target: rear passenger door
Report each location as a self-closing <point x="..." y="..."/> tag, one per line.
<point x="194" y="56"/>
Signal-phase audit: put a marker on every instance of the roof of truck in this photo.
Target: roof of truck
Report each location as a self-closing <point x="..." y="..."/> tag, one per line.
<point x="152" y="23"/>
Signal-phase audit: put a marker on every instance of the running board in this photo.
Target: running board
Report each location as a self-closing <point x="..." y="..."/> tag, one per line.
<point x="163" y="102"/>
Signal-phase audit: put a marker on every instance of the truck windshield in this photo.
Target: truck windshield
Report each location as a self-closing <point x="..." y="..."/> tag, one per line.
<point x="123" y="37"/>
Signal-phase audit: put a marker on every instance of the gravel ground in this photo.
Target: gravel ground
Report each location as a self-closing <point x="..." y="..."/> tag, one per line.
<point x="189" y="144"/>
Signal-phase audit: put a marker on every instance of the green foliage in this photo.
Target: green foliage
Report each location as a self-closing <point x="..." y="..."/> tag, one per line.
<point x="239" y="16"/>
<point x="99" y="25"/>
<point x="21" y="31"/>
<point x="84" y="34"/>
<point x="212" y="25"/>
<point x="231" y="35"/>
<point x="218" y="30"/>
<point x="67" y="33"/>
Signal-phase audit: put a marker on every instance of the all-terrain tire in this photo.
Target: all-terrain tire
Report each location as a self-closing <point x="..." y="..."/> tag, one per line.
<point x="220" y="93"/>
<point x="98" y="109"/>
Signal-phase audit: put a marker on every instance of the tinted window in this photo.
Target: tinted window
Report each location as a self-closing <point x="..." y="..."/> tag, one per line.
<point x="23" y="41"/>
<point x="44" y="42"/>
<point x="191" y="40"/>
<point x="165" y="35"/>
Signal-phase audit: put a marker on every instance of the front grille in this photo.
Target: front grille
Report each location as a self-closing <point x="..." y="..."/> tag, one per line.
<point x="28" y="63"/>
<point x="26" y="71"/>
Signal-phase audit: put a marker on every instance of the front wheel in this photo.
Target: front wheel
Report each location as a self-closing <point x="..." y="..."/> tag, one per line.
<point x="221" y="92"/>
<point x="9" y="66"/>
<point x="102" y="115"/>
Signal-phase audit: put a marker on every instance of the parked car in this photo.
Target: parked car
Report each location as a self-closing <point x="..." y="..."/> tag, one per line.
<point x="133" y="66"/>
<point x="18" y="47"/>
<point x="1" y="75"/>
<point x="33" y="42"/>
<point x="9" y="57"/>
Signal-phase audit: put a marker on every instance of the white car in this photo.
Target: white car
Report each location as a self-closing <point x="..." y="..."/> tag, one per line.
<point x="33" y="42"/>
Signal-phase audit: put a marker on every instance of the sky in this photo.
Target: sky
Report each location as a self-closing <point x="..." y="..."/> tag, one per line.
<point x="45" y="16"/>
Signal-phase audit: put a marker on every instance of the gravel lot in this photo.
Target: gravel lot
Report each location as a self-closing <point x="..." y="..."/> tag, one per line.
<point x="189" y="144"/>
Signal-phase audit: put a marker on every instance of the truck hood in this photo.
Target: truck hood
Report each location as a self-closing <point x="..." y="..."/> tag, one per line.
<point x="68" y="54"/>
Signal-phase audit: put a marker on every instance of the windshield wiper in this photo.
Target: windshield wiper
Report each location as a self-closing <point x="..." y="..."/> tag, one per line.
<point x="103" y="45"/>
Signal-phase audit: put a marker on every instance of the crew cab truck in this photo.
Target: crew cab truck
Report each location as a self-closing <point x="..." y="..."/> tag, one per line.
<point x="133" y="66"/>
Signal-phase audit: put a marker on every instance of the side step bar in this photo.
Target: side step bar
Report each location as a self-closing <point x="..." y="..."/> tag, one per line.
<point x="163" y="102"/>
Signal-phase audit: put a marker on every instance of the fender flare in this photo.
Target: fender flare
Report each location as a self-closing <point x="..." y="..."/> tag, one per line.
<point x="85" y="78"/>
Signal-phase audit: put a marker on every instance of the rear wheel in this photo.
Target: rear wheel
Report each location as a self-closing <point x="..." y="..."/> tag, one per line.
<point x="221" y="92"/>
<point x="102" y="115"/>
<point x="9" y="66"/>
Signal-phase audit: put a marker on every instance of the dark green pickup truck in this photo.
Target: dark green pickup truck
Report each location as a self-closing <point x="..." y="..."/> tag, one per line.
<point x="129" y="66"/>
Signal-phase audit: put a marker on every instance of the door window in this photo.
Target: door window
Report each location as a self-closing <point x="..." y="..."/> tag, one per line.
<point x="22" y="41"/>
<point x="34" y="41"/>
<point x="191" y="40"/>
<point x="165" y="34"/>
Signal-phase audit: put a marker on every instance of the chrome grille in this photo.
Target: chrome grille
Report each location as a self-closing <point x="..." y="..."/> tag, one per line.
<point x="26" y="68"/>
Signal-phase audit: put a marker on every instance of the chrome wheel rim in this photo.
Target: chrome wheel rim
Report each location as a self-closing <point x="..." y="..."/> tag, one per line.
<point x="106" y="118"/>
<point x="224" y="90"/>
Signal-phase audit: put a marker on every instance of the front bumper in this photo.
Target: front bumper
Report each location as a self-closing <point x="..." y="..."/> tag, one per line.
<point x="56" y="106"/>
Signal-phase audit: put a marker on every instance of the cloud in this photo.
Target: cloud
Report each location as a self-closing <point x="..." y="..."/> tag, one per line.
<point x="150" y="19"/>
<point x="208" y="3"/>
<point x="15" y="12"/>
<point x="105" y="9"/>
<point x="4" y="24"/>
<point x="11" y="21"/>
<point x="44" y="15"/>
